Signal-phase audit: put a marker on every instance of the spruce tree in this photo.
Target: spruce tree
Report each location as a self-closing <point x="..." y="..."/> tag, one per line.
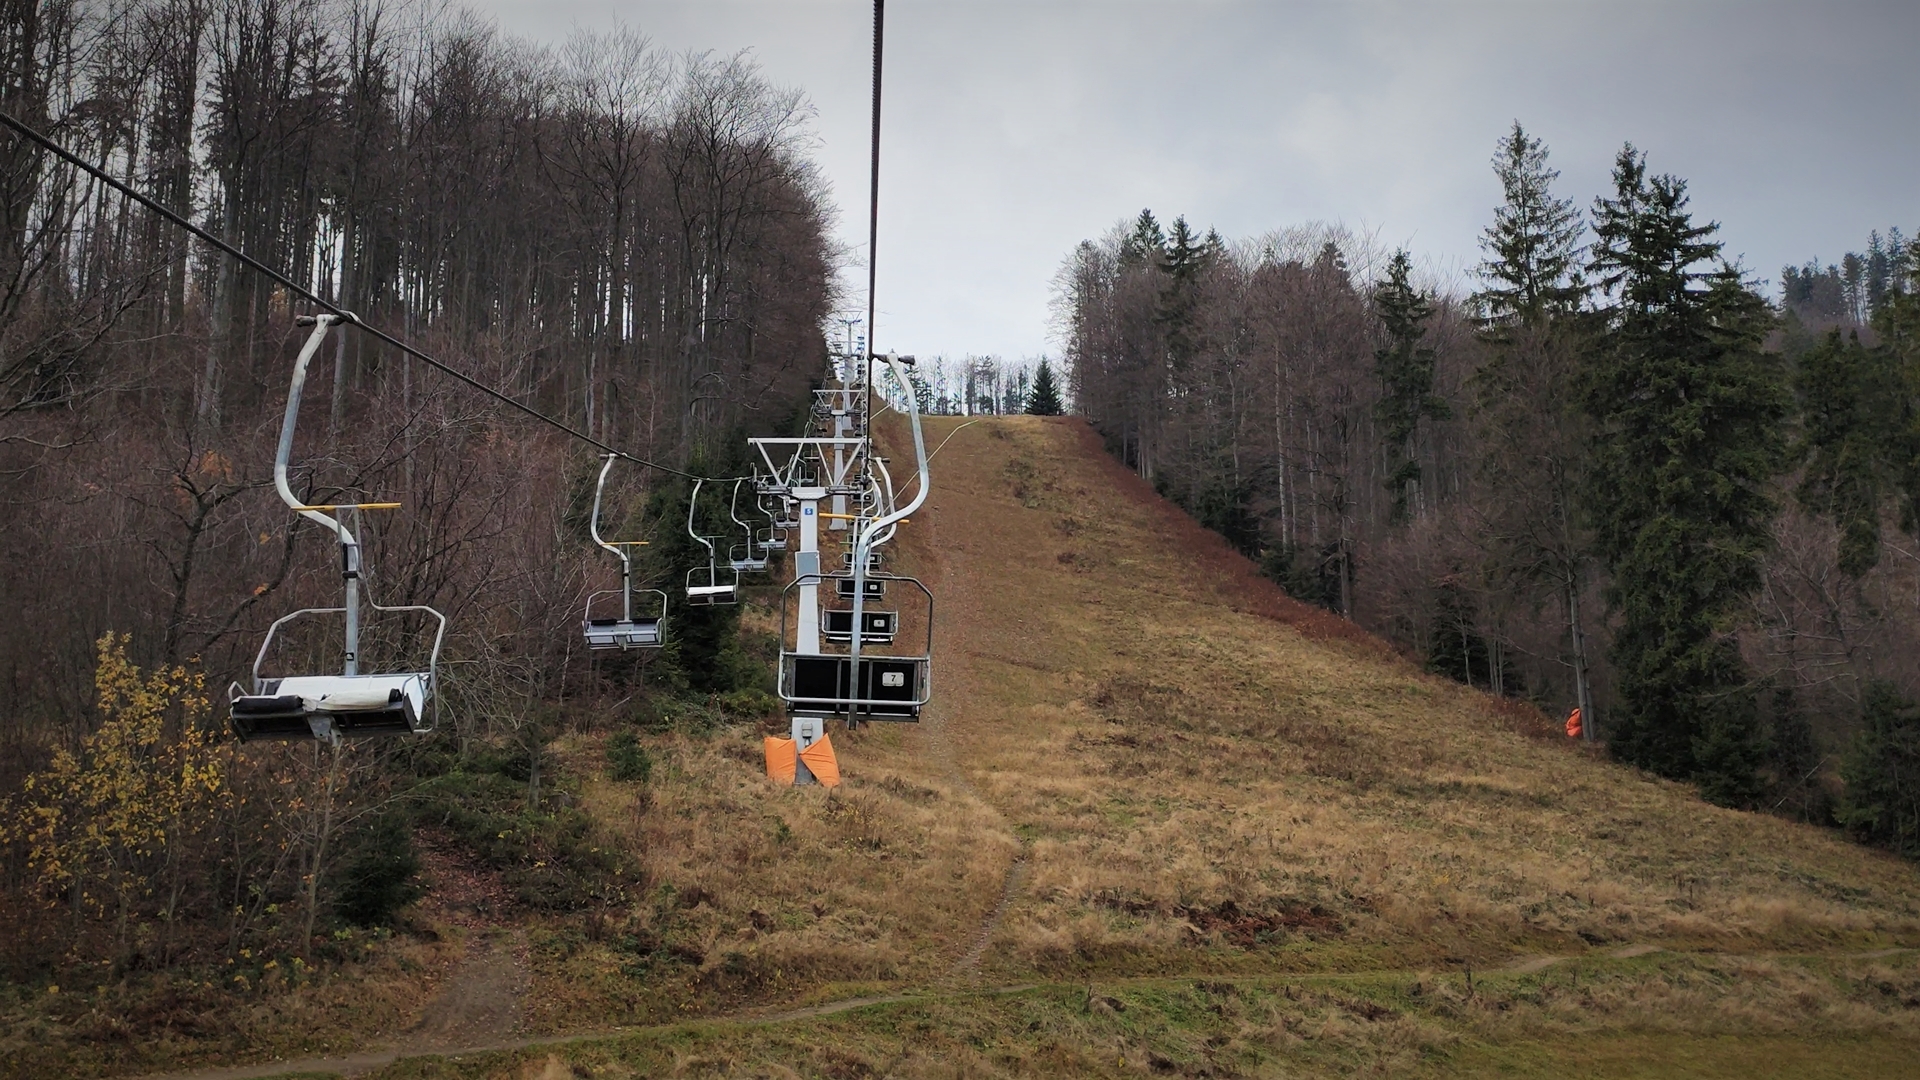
<point x="1405" y="368"/>
<point x="1146" y="244"/>
<point x="1044" y="399"/>
<point x="1849" y="425"/>
<point x="1532" y="436"/>
<point x="1687" y="409"/>
<point x="1186" y="255"/>
<point x="1532" y="270"/>
<point x="1882" y="771"/>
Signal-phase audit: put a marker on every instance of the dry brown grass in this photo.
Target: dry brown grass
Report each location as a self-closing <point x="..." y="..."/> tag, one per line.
<point x="1204" y="788"/>
<point x="1204" y="775"/>
<point x="763" y="892"/>
<point x="169" y="1020"/>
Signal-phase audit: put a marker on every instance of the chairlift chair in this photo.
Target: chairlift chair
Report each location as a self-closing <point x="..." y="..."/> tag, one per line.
<point x="857" y="683"/>
<point x="780" y="508"/>
<point x="628" y="631"/>
<point x="353" y="703"/>
<point x="741" y="556"/>
<point x="705" y="587"/>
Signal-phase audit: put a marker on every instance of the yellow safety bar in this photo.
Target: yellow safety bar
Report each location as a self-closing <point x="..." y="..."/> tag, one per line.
<point x="626" y="543"/>
<point x="350" y="506"/>
<point x="857" y="517"/>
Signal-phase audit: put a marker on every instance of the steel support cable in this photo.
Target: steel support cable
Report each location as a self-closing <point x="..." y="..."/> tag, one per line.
<point x="287" y="283"/>
<point x="873" y="213"/>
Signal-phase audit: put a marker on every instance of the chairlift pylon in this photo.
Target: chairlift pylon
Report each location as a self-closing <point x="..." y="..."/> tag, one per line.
<point x="858" y="683"/>
<point x="353" y="703"/>
<point x="628" y="631"/>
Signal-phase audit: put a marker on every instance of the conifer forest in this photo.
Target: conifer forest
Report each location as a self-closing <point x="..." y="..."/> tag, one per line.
<point x="1620" y="474"/>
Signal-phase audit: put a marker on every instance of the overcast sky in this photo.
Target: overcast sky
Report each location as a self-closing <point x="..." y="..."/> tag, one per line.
<point x="1013" y="130"/>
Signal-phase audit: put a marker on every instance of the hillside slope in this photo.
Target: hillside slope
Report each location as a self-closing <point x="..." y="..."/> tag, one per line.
<point x="1176" y="737"/>
<point x="1145" y="762"/>
<point x="1161" y="818"/>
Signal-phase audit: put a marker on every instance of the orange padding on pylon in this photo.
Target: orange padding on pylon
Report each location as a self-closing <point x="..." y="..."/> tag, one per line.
<point x="821" y="762"/>
<point x="1574" y="726"/>
<point x="780" y="759"/>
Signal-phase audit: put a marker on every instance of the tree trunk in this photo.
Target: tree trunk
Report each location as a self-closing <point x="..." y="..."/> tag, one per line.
<point x="1582" y="687"/>
<point x="207" y="409"/>
<point x="318" y="862"/>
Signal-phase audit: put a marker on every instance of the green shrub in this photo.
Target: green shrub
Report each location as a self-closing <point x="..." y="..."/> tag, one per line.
<point x="1882" y="800"/>
<point x="746" y="704"/>
<point x="377" y="878"/>
<point x="627" y="759"/>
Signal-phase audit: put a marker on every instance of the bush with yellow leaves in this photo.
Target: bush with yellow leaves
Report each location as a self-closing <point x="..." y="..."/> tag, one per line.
<point x="108" y="828"/>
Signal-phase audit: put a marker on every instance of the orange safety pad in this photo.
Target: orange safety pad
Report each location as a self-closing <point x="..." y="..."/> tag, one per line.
<point x="1573" y="724"/>
<point x="780" y="759"/>
<point x="821" y="762"/>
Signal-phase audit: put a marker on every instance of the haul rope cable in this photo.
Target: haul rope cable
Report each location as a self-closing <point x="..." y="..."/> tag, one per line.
<point x="287" y="283"/>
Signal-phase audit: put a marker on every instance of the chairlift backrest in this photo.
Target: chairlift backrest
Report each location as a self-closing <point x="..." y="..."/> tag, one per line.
<point x="875" y="588"/>
<point x="878" y="627"/>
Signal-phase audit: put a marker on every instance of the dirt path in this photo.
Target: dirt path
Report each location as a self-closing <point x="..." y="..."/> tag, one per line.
<point x="951" y="549"/>
<point x="1009" y="891"/>
<point x="478" y="1005"/>
<point x="360" y="1063"/>
<point x="482" y="999"/>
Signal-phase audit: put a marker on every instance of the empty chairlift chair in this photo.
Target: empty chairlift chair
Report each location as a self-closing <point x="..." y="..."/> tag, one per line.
<point x="629" y="631"/>
<point x="353" y="703"/>
<point x="750" y="557"/>
<point x="781" y="511"/>
<point x="706" y="587"/>
<point x="869" y="587"/>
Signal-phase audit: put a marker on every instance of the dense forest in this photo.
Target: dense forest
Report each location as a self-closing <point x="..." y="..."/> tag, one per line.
<point x="631" y="241"/>
<point x="1615" y="475"/>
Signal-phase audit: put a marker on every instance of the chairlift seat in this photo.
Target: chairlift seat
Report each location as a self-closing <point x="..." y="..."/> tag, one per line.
<point x="622" y="634"/>
<point x="307" y="706"/>
<point x="706" y="595"/>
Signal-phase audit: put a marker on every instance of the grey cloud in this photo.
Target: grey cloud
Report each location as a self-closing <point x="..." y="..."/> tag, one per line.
<point x="1013" y="130"/>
